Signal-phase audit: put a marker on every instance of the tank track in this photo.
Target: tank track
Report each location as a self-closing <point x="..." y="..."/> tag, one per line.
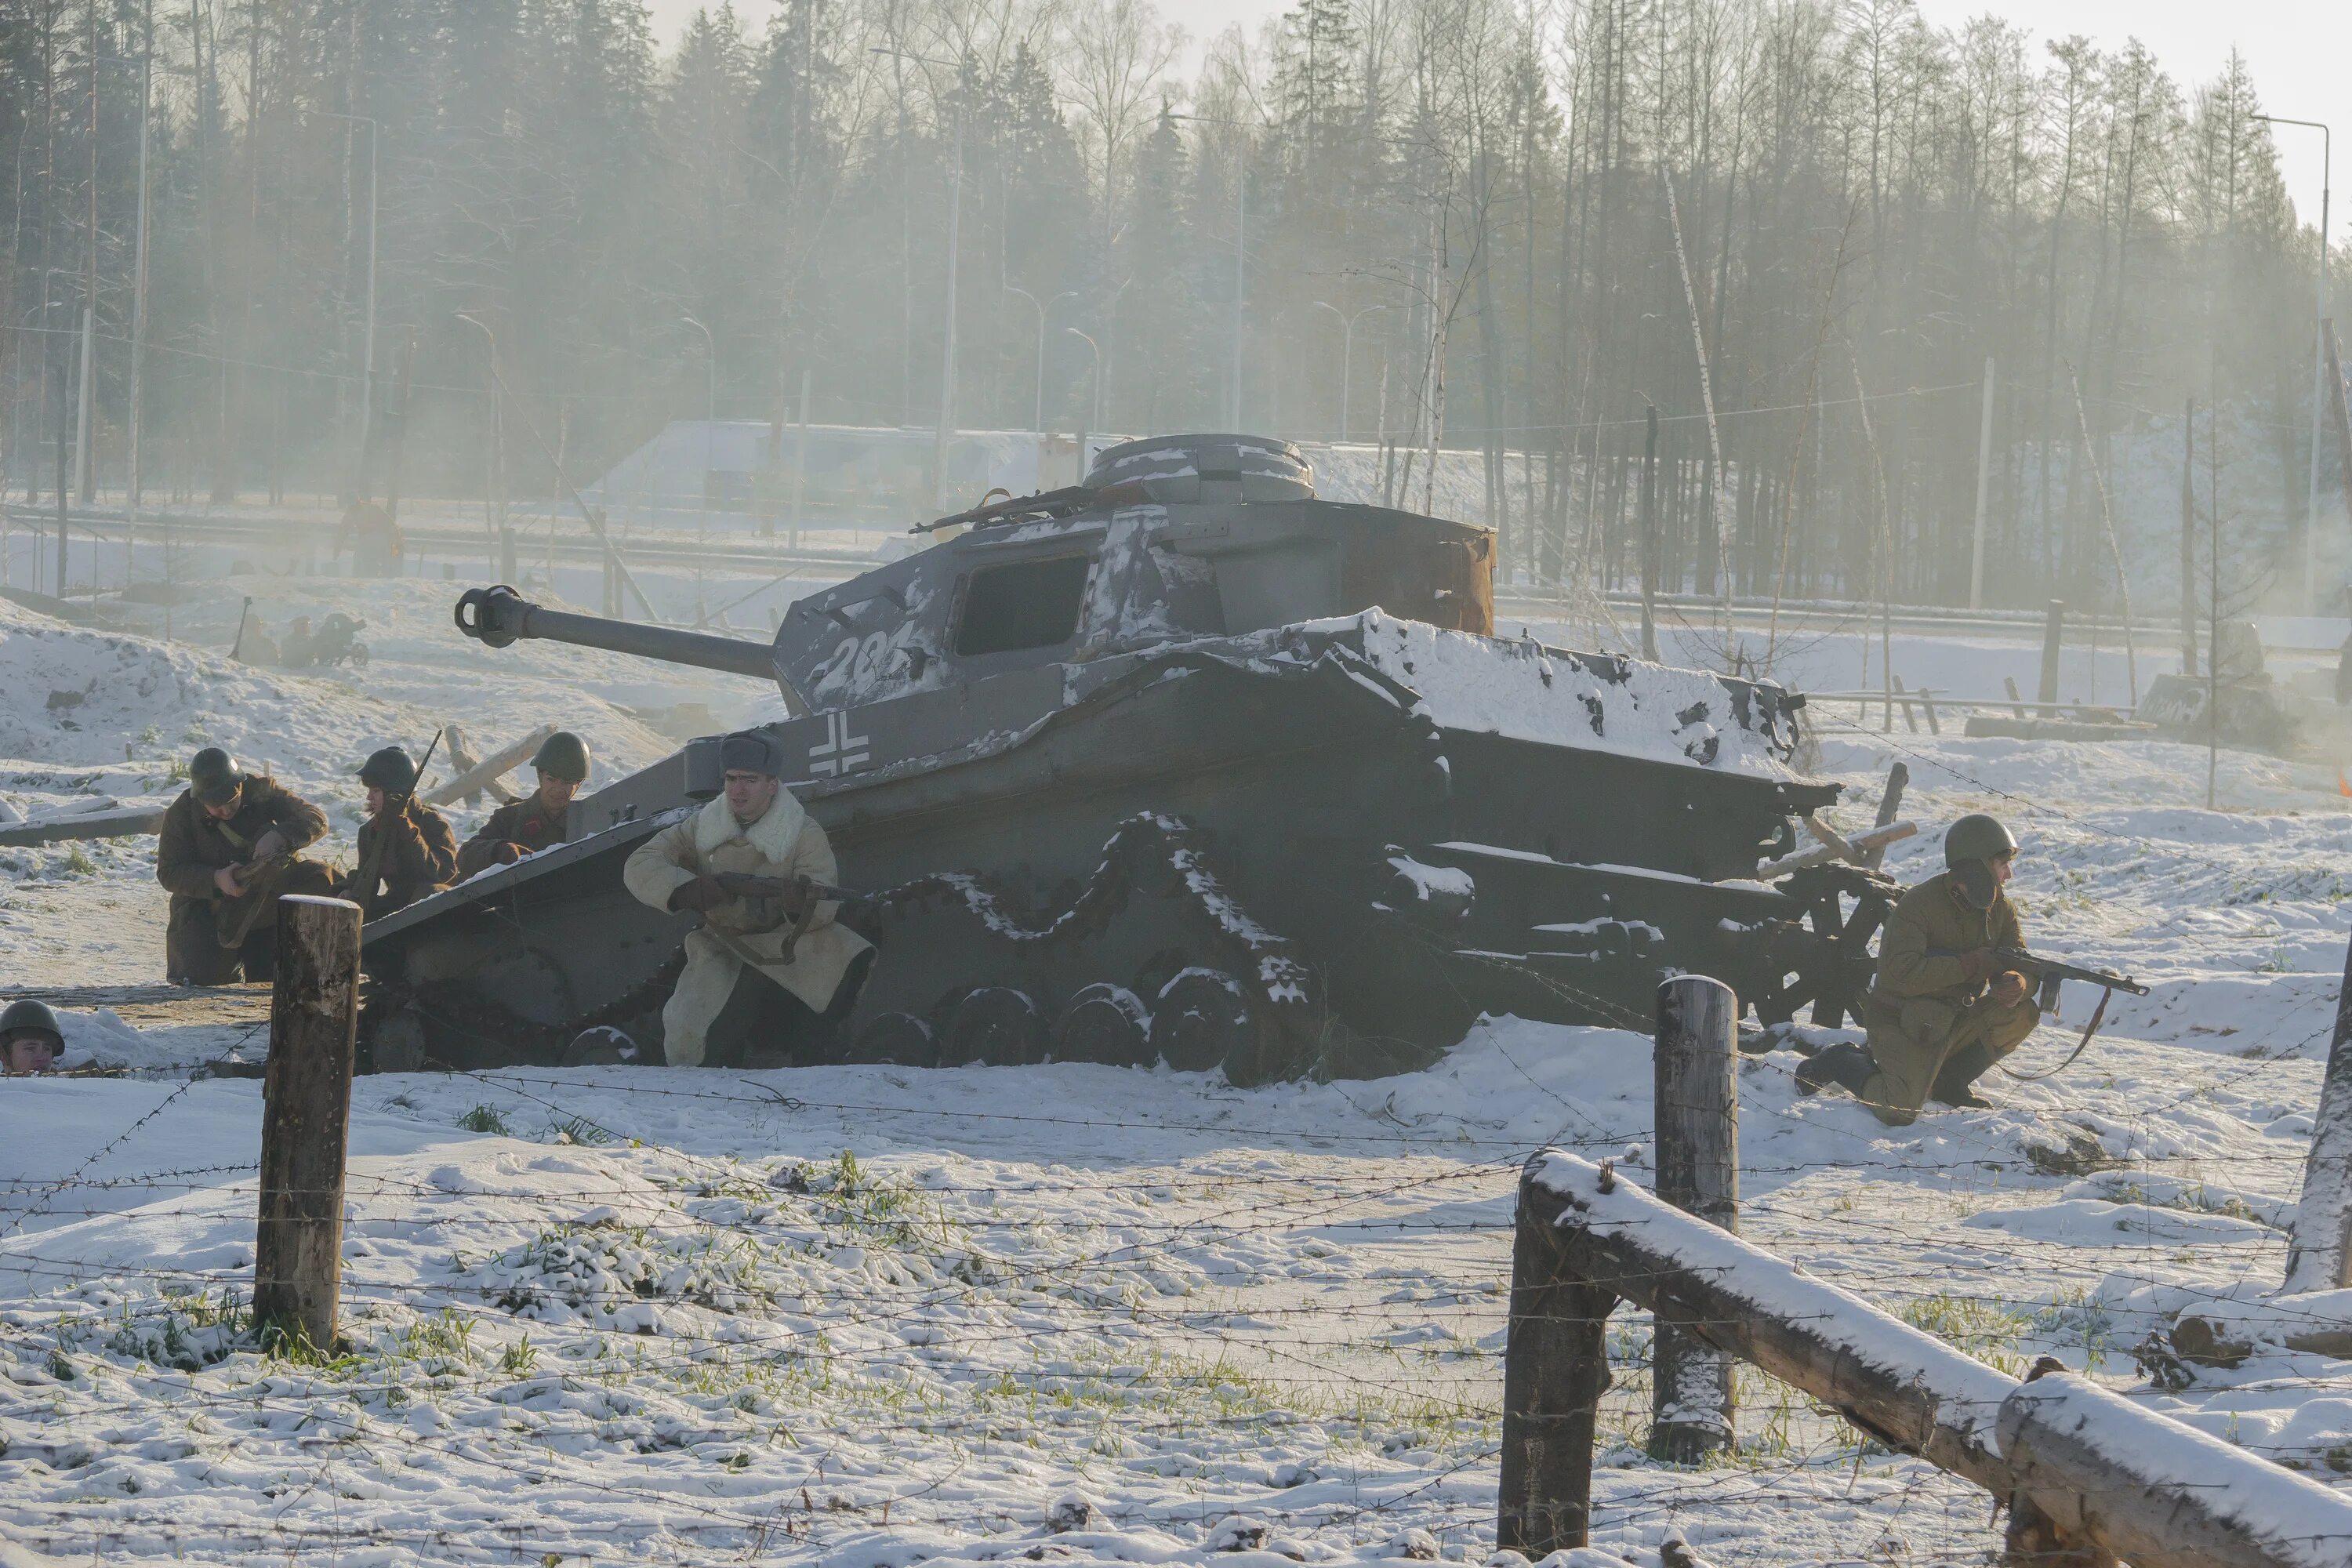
<point x="1150" y="852"/>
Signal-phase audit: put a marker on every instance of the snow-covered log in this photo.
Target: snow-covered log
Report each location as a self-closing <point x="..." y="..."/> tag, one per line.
<point x="2159" y="1494"/>
<point x="2227" y="1332"/>
<point x="1907" y="1388"/>
<point x="109" y="821"/>
<point x="2321" y="1256"/>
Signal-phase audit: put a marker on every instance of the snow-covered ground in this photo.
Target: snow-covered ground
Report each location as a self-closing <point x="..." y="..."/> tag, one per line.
<point x="866" y="1317"/>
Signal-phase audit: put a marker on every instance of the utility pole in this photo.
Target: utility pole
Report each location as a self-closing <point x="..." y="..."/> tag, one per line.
<point x="948" y="355"/>
<point x="1241" y="281"/>
<point x="86" y="415"/>
<point x="1650" y="533"/>
<point x="2188" y="538"/>
<point x="139" y="299"/>
<point x="1984" y="486"/>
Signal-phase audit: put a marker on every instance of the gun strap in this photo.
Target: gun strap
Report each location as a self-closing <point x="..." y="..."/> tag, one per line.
<point x="2098" y="1016"/>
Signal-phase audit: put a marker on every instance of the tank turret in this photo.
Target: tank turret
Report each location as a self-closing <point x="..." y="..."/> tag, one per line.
<point x="1180" y="536"/>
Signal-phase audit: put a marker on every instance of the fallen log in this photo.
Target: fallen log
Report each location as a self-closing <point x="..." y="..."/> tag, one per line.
<point x="490" y="770"/>
<point x="2227" y="1332"/>
<point x="2159" y="1494"/>
<point x="1983" y="726"/>
<point x="119" y="822"/>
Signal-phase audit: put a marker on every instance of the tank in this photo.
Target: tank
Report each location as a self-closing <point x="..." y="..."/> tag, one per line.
<point x="1180" y="764"/>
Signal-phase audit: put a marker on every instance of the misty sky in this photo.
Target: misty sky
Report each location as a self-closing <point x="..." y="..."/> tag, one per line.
<point x="2300" y="50"/>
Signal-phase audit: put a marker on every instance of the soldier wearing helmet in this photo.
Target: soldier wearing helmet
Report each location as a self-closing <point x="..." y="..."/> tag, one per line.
<point x="30" y="1040"/>
<point x="539" y="820"/>
<point x="407" y="849"/>
<point x="1940" y="1013"/>
<point x="231" y="838"/>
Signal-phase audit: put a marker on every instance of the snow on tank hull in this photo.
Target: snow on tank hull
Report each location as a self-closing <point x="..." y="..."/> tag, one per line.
<point x="1321" y="847"/>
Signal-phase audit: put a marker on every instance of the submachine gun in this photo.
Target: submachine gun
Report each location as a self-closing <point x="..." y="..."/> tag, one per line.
<point x="2048" y="975"/>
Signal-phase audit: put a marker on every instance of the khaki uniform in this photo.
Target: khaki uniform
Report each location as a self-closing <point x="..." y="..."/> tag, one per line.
<point x="742" y="932"/>
<point x="194" y="845"/>
<point x="421" y="859"/>
<point x="525" y="824"/>
<point x="1922" y="1009"/>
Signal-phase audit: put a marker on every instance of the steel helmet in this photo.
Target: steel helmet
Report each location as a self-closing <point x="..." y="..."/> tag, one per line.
<point x="390" y="770"/>
<point x="562" y="755"/>
<point x="1977" y="836"/>
<point x="27" y="1017"/>
<point x="214" y="776"/>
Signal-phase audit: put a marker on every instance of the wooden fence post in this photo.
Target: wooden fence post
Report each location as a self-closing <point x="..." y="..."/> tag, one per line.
<point x="1555" y="1370"/>
<point x="306" y="1112"/>
<point x="2054" y="637"/>
<point x="2320" y="1257"/>
<point x="1698" y="1118"/>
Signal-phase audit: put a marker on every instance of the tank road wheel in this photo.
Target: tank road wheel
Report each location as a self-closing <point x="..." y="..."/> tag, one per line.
<point x="396" y="1042"/>
<point x="1202" y="1019"/>
<point x="897" y="1039"/>
<point x="1104" y="1023"/>
<point x="995" y="1025"/>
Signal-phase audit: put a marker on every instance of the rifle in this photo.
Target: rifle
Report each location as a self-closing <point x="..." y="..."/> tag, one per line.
<point x="250" y="902"/>
<point x="2048" y="975"/>
<point x="364" y="880"/>
<point x="799" y="895"/>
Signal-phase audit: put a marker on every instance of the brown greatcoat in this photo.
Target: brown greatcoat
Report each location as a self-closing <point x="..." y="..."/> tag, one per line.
<point x="1925" y="1007"/>
<point x="421" y="859"/>
<point x="194" y="845"/>
<point x="525" y="824"/>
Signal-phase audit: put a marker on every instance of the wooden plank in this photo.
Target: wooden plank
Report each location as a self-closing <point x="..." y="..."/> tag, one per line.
<point x="298" y="1252"/>
<point x="1890" y="806"/>
<point x="1696" y="1066"/>
<point x="490" y="770"/>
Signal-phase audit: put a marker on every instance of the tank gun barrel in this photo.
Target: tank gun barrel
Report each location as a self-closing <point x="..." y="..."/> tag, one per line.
<point x="499" y="616"/>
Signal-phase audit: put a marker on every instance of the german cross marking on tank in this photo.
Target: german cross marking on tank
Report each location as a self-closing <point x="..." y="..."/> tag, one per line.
<point x="840" y="752"/>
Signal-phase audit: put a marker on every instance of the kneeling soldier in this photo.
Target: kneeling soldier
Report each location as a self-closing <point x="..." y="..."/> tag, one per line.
<point x="227" y="850"/>
<point x="405" y="847"/>
<point x="537" y="820"/>
<point x="1935" y="1026"/>
<point x="774" y="968"/>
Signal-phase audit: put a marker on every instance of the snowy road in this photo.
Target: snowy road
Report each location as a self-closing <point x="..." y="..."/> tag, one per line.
<point x="865" y="1316"/>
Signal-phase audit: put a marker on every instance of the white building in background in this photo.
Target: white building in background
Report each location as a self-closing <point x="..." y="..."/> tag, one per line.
<point x="748" y="472"/>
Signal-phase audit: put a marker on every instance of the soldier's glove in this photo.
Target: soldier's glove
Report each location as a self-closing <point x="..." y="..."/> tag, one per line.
<point x="270" y="843"/>
<point x="2009" y="988"/>
<point x="506" y="854"/>
<point x="1976" y="967"/>
<point x="700" y="895"/>
<point x="226" y="880"/>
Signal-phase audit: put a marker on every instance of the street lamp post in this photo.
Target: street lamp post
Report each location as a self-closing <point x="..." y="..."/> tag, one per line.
<point x="497" y="499"/>
<point x="1037" y="418"/>
<point x="1093" y="376"/>
<point x="955" y="228"/>
<point x="367" y="350"/>
<point x="1347" y="352"/>
<point x="709" y="436"/>
<point x="2318" y="368"/>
